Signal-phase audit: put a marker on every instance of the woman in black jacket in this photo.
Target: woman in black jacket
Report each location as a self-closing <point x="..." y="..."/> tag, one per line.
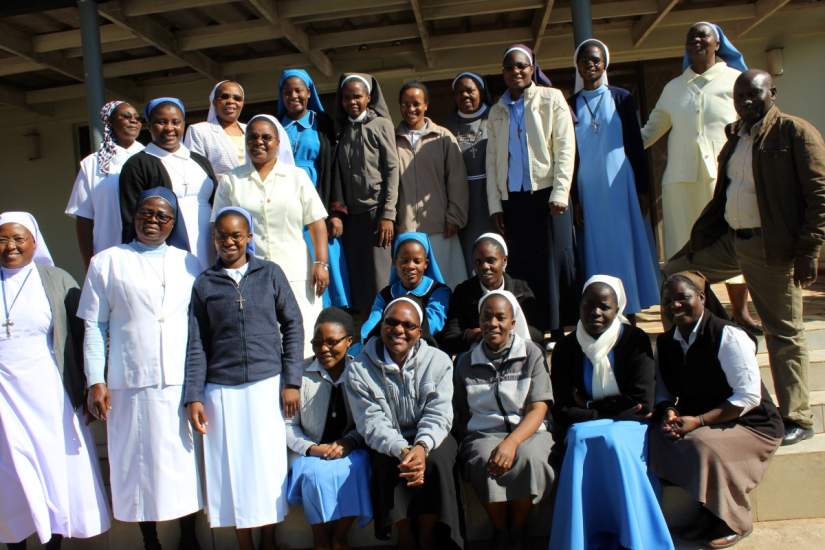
<point x="603" y="387"/>
<point x="462" y="328"/>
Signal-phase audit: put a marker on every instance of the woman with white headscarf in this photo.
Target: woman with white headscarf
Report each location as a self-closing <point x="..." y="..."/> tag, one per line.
<point x="501" y="398"/>
<point x="49" y="472"/>
<point x="603" y="384"/>
<point x="694" y="108"/>
<point x="220" y="137"/>
<point x="94" y="199"/>
<point x="614" y="237"/>
<point x="282" y="200"/>
<point x="462" y="329"/>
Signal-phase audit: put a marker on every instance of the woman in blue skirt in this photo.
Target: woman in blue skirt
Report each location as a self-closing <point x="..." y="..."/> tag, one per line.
<point x="603" y="386"/>
<point x="312" y="139"/>
<point x="616" y="239"/>
<point x="330" y="467"/>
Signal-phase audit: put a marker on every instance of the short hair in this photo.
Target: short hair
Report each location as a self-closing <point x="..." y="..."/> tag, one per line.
<point x="337" y="316"/>
<point x="679" y="278"/>
<point x="229" y="212"/>
<point x="417" y="85"/>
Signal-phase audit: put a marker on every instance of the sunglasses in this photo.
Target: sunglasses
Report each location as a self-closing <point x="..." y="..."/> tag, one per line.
<point x="516" y="66"/>
<point x="162" y="218"/>
<point x="408" y="325"/>
<point x="236" y="97"/>
<point x="328" y="343"/>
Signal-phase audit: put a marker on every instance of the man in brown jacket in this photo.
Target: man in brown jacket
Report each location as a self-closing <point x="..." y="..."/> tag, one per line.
<point x="767" y="221"/>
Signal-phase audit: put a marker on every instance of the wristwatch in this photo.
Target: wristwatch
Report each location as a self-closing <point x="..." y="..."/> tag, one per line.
<point x="425" y="447"/>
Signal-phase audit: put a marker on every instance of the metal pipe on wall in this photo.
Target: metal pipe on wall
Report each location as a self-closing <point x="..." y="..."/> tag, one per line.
<point x="92" y="68"/>
<point x="582" y="21"/>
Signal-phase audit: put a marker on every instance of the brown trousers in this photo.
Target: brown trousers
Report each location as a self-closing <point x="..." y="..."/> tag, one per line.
<point x="779" y="304"/>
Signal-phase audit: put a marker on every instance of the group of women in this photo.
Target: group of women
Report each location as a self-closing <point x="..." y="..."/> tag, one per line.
<point x="211" y="325"/>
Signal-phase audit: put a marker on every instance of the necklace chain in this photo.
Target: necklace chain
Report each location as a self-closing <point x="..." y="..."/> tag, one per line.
<point x="8" y="323"/>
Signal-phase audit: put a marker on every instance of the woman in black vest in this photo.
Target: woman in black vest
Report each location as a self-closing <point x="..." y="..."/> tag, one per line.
<point x="719" y="427"/>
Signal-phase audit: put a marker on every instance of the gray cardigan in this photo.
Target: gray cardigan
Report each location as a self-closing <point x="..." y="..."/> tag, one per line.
<point x="392" y="406"/>
<point x="306" y="428"/>
<point x="63" y="294"/>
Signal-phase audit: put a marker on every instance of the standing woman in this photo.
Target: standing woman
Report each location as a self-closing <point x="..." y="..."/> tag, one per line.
<point x="168" y="162"/>
<point x="245" y="355"/>
<point x="531" y="151"/>
<point x="94" y="202"/>
<point x="468" y="123"/>
<point x="401" y="390"/>
<point x="50" y="476"/>
<point x="695" y="107"/>
<point x="282" y="200"/>
<point x="616" y="241"/>
<point x="311" y="139"/>
<point x="220" y="137"/>
<point x="137" y="295"/>
<point x="366" y="168"/>
<point x="719" y="427"/>
<point x="433" y="195"/>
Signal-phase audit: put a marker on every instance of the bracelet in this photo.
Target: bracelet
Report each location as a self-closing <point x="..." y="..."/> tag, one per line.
<point x="425" y="447"/>
<point x="701" y="420"/>
<point x="325" y="265"/>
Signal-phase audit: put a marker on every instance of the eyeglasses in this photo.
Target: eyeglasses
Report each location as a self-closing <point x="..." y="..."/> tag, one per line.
<point x="329" y="343"/>
<point x="409" y="326"/>
<point x="519" y="66"/>
<point x="223" y="237"/>
<point x="266" y="138"/>
<point x="236" y="97"/>
<point x="18" y="241"/>
<point x="161" y="218"/>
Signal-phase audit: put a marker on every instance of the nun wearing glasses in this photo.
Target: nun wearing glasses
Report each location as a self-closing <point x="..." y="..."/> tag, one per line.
<point x="221" y="138"/>
<point x="614" y="237"/>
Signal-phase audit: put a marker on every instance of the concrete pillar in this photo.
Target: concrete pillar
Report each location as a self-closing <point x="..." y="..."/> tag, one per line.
<point x="582" y="21"/>
<point x="92" y="68"/>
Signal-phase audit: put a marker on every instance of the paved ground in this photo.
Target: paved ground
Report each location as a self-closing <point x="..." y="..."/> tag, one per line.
<point x="800" y="534"/>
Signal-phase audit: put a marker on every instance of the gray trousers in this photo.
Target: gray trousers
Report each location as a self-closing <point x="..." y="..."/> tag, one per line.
<point x="779" y="304"/>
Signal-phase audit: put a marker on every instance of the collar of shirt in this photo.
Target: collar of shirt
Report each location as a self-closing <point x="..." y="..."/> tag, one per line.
<point x="741" y="132"/>
<point x="481" y="111"/>
<point x="485" y="291"/>
<point x="420" y="289"/>
<point x="305" y="121"/>
<point x="677" y="335"/>
<point x="507" y="99"/>
<point x="237" y="273"/>
<point x="359" y="118"/>
<point x="315" y="366"/>
<point x="182" y="152"/>
<point x="708" y="75"/>
<point x="277" y="170"/>
<point x="389" y="362"/>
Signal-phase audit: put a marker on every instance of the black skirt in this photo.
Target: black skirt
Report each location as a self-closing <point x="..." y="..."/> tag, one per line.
<point x="393" y="501"/>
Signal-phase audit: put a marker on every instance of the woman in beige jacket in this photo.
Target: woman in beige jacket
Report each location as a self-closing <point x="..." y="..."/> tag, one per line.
<point x="531" y="148"/>
<point x="433" y="196"/>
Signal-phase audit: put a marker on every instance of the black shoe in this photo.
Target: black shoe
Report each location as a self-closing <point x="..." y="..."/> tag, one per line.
<point x="794" y="433"/>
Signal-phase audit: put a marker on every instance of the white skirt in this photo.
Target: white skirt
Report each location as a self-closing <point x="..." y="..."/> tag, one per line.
<point x="49" y="473"/>
<point x="310" y="306"/>
<point x="245" y="454"/>
<point x="450" y="257"/>
<point x="152" y="455"/>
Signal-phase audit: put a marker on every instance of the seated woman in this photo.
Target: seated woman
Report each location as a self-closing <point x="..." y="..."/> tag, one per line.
<point x="244" y="359"/>
<point x="603" y="384"/>
<point x="462" y="329"/>
<point x="330" y="468"/>
<point x="401" y="390"/>
<point x="719" y="427"/>
<point x="502" y="395"/>
<point x="416" y="273"/>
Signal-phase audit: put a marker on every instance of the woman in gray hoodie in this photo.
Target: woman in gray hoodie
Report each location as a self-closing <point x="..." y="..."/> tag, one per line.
<point x="400" y="390"/>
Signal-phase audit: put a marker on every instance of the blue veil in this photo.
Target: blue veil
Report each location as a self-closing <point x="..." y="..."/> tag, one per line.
<point x="727" y="51"/>
<point x="314" y="103"/>
<point x="433" y="271"/>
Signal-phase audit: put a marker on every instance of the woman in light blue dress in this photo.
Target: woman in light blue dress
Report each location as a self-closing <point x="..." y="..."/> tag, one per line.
<point x="603" y="377"/>
<point x="312" y="139"/>
<point x="611" y="175"/>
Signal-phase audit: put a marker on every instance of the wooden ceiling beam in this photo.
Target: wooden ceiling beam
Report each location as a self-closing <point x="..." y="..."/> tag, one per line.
<point x="423" y="33"/>
<point x="136" y="8"/>
<point x="647" y="24"/>
<point x="540" y="20"/>
<point x="763" y="10"/>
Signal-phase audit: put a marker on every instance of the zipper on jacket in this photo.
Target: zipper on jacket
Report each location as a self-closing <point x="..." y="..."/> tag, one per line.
<point x="507" y="425"/>
<point x="241" y="314"/>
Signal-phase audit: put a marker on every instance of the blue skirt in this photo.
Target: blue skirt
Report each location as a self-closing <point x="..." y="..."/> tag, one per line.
<point x="337" y="294"/>
<point x="332" y="489"/>
<point x="605" y="498"/>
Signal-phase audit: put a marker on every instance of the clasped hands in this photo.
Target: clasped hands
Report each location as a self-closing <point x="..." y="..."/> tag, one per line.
<point x="677" y="427"/>
<point x="413" y="465"/>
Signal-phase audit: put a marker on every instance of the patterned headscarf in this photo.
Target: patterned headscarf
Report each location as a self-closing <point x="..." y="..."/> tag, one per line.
<point x="107" y="151"/>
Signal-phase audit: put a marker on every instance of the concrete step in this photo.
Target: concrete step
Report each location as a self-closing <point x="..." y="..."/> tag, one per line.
<point x="816" y="377"/>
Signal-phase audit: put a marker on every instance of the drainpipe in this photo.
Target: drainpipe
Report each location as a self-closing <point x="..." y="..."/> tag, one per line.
<point x="582" y="21"/>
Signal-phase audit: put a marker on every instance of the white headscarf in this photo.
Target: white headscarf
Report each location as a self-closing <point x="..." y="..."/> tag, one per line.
<point x="522" y="330"/>
<point x="495" y="237"/>
<point x="361" y="79"/>
<point x="212" y="116"/>
<point x="41" y="251"/>
<point x="409" y="301"/>
<point x="589" y="42"/>
<point x="598" y="350"/>
<point x="284" y="148"/>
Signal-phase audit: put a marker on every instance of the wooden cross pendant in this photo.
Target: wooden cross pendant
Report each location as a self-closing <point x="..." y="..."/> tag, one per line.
<point x="8" y="323"/>
<point x="241" y="300"/>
